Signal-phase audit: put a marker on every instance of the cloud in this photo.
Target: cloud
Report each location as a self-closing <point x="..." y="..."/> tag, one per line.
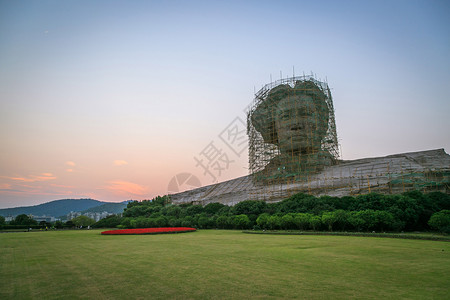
<point x="5" y="186"/>
<point x="35" y="185"/>
<point x="25" y="189"/>
<point x="126" y="188"/>
<point x="120" y="162"/>
<point x="69" y="170"/>
<point x="34" y="178"/>
<point x="70" y="163"/>
<point x="62" y="186"/>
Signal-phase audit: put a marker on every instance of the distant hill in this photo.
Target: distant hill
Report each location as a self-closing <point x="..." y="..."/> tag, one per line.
<point x="59" y="207"/>
<point x="115" y="208"/>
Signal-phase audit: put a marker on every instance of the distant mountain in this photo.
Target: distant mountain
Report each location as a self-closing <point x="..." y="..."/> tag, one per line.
<point x="55" y="208"/>
<point x="115" y="208"/>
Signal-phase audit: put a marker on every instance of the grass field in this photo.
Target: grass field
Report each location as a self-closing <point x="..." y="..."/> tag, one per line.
<point x="216" y="264"/>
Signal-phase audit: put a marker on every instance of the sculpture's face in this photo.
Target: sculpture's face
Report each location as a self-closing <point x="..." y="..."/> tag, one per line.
<point x="299" y="126"/>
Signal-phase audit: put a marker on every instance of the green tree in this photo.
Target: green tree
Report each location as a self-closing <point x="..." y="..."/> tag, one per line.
<point x="69" y="224"/>
<point x="373" y="201"/>
<point x="301" y="221"/>
<point x="328" y="219"/>
<point x="194" y="210"/>
<point x="222" y="222"/>
<point x="161" y="221"/>
<point x="160" y="200"/>
<point x="439" y="201"/>
<point x="440" y="221"/>
<point x="263" y="221"/>
<point x="126" y="223"/>
<point x="297" y="203"/>
<point x="406" y="209"/>
<point x="187" y="221"/>
<point x="287" y="222"/>
<point x="174" y="211"/>
<point x="249" y="207"/>
<point x="59" y="224"/>
<point x="315" y="222"/>
<point x="364" y="220"/>
<point x="384" y="220"/>
<point x="44" y="224"/>
<point x="206" y="222"/>
<point x="108" y="222"/>
<point x="173" y="222"/>
<point x="137" y="211"/>
<point x="23" y="219"/>
<point x="241" y="222"/>
<point x="274" y="222"/>
<point x="2" y="220"/>
<point x="140" y="222"/>
<point x="151" y="222"/>
<point x="213" y="208"/>
<point x="83" y="221"/>
<point x="341" y="219"/>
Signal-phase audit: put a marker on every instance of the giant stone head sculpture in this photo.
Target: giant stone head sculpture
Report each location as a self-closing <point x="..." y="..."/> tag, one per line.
<point x="292" y="123"/>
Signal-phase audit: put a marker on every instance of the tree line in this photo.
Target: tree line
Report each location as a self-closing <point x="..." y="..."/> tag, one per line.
<point x="24" y="221"/>
<point x="410" y="211"/>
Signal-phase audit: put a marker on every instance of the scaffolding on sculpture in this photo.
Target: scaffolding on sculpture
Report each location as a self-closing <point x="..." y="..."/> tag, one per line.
<point x="292" y="131"/>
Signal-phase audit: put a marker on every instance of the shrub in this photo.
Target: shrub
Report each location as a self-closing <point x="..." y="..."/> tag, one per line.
<point x="161" y="221"/>
<point x="263" y="221"/>
<point x="83" y="221"/>
<point x="328" y="219"/>
<point x="23" y="219"/>
<point x="213" y="208"/>
<point x="108" y="222"/>
<point x="287" y="222"/>
<point x="440" y="221"/>
<point x="301" y="221"/>
<point x="274" y="222"/>
<point x="222" y="222"/>
<point x="315" y="222"/>
<point x="148" y="230"/>
<point x="204" y="222"/>
<point x="241" y="222"/>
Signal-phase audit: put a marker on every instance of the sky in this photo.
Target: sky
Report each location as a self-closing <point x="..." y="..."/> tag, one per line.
<point x="118" y="100"/>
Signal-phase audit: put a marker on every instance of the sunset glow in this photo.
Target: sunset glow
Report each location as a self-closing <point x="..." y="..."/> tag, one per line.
<point x="113" y="100"/>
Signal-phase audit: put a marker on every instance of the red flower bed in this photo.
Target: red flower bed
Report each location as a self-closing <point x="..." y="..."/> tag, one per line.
<point x="150" y="230"/>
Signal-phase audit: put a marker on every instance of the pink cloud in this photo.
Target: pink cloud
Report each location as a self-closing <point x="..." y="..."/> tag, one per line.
<point x="34" y="178"/>
<point x="70" y="163"/>
<point x="5" y="186"/>
<point x="22" y="189"/>
<point x="35" y="185"/>
<point x="62" y="186"/>
<point x="126" y="188"/>
<point x="120" y="162"/>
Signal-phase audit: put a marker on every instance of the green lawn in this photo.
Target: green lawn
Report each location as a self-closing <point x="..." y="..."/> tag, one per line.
<point x="218" y="264"/>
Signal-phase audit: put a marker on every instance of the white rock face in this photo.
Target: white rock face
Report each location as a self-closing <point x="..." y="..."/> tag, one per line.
<point x="425" y="171"/>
